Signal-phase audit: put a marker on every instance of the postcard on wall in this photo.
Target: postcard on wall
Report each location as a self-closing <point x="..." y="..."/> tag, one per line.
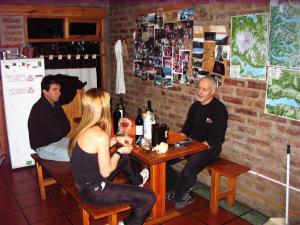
<point x="185" y="14"/>
<point x="158" y="80"/>
<point x="168" y="81"/>
<point x="218" y="29"/>
<point x="198" y="30"/>
<point x="170" y="17"/>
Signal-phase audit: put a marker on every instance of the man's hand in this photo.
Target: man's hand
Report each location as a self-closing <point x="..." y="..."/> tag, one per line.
<point x="205" y="142"/>
<point x="183" y="134"/>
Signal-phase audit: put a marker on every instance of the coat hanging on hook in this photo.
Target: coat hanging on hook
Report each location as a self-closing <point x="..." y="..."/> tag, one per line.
<point x="120" y="82"/>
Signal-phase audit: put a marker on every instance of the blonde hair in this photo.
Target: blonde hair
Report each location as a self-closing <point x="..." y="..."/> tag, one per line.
<point x="95" y="111"/>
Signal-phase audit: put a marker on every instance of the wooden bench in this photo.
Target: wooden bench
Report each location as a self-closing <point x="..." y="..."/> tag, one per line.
<point x="229" y="169"/>
<point x="61" y="173"/>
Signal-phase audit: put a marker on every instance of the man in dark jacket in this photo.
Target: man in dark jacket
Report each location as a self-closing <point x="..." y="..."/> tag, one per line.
<point x="206" y="122"/>
<point x="48" y="124"/>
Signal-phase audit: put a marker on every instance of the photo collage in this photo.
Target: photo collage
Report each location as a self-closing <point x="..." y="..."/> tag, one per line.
<point x="169" y="51"/>
<point x="163" y="43"/>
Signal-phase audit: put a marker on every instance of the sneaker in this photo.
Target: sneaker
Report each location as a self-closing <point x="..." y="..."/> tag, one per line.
<point x="145" y="175"/>
<point x="170" y="196"/>
<point x="186" y="200"/>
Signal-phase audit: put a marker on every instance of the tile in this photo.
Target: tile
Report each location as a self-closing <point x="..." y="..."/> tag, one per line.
<point x="255" y="218"/>
<point x="28" y="199"/>
<point x="14" y="218"/>
<point x="237" y="209"/>
<point x="2" y="182"/>
<point x="18" y="175"/>
<point x="190" y="220"/>
<point x="61" y="220"/>
<point x="40" y="212"/>
<point x="75" y="218"/>
<point x="65" y="203"/>
<point x="54" y="191"/>
<point x="222" y="217"/>
<point x="24" y="186"/>
<point x="238" y="221"/>
<point x="202" y="190"/>
<point x="8" y="204"/>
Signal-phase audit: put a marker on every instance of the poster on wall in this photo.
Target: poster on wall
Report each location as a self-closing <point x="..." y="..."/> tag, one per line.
<point x="284" y="39"/>
<point x="283" y="91"/>
<point x="249" y="46"/>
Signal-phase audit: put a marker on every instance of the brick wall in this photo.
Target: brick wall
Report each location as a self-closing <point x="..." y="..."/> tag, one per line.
<point x="253" y="138"/>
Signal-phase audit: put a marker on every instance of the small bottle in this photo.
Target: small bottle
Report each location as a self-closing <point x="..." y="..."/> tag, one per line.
<point x="117" y="116"/>
<point x="149" y="108"/>
<point x="122" y="108"/>
<point x="139" y="126"/>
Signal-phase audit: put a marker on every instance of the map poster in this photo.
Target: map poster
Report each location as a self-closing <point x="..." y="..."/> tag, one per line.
<point x="249" y="46"/>
<point x="283" y="93"/>
<point x="284" y="39"/>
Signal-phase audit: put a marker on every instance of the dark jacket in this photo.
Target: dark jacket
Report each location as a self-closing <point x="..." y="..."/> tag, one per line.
<point x="46" y="123"/>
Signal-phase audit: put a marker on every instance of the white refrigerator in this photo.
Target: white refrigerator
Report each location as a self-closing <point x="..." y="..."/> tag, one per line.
<point x="21" y="84"/>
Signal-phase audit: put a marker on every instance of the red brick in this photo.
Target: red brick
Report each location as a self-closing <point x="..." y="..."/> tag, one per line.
<point x="225" y="89"/>
<point x="12" y="27"/>
<point x="258" y="141"/>
<point x="247" y="93"/>
<point x="259" y="123"/>
<point x="234" y="82"/>
<point x="233" y="100"/>
<point x="246" y="130"/>
<point x="237" y="118"/>
<point x="247" y="112"/>
<point x="273" y="118"/>
<point x="11" y="20"/>
<point x="257" y="84"/>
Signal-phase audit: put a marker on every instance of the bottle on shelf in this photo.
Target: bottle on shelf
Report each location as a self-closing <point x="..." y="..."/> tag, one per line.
<point x="148" y="120"/>
<point x="116" y="116"/>
<point x="122" y="108"/>
<point x="149" y="107"/>
<point x="139" y="126"/>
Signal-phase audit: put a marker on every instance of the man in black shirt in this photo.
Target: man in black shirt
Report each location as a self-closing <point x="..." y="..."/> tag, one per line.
<point x="206" y="122"/>
<point x="48" y="124"/>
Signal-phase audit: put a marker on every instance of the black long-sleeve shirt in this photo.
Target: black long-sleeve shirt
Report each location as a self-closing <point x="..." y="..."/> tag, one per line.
<point x="46" y="123"/>
<point x="207" y="122"/>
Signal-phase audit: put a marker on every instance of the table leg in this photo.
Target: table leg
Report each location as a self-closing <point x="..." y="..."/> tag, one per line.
<point x="158" y="186"/>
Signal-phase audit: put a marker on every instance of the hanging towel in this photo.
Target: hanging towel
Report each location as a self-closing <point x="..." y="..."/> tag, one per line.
<point x="120" y="82"/>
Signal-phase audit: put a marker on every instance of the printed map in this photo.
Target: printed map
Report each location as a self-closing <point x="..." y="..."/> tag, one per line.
<point x="284" y="42"/>
<point x="249" y="46"/>
<point x="283" y="93"/>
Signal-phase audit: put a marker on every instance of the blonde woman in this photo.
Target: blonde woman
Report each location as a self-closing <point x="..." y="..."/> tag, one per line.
<point x="94" y="167"/>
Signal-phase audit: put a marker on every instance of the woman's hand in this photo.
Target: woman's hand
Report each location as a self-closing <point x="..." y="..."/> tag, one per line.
<point x="124" y="140"/>
<point x="125" y="149"/>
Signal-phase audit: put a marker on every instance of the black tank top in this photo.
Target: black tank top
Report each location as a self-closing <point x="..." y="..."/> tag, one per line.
<point x="85" y="167"/>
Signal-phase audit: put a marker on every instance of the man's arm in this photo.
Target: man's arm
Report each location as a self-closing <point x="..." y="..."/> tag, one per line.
<point x="188" y="124"/>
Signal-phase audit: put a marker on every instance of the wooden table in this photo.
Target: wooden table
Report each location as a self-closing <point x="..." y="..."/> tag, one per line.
<point x="157" y="165"/>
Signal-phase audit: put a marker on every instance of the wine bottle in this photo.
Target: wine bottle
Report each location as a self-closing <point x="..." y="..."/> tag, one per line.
<point x="116" y="116"/>
<point x="122" y="108"/>
<point x="149" y="108"/>
<point x="139" y="126"/>
<point x="148" y="120"/>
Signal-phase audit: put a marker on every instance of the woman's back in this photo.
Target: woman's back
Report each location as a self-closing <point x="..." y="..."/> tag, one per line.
<point x="85" y="166"/>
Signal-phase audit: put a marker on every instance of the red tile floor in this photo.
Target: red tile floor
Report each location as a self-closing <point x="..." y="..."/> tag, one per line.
<point x="20" y="204"/>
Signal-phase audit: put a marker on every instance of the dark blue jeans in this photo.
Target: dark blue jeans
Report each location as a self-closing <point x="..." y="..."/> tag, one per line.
<point x="187" y="178"/>
<point x="140" y="199"/>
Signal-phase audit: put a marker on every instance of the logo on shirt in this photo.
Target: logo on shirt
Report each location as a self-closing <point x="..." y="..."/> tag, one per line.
<point x="208" y="120"/>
